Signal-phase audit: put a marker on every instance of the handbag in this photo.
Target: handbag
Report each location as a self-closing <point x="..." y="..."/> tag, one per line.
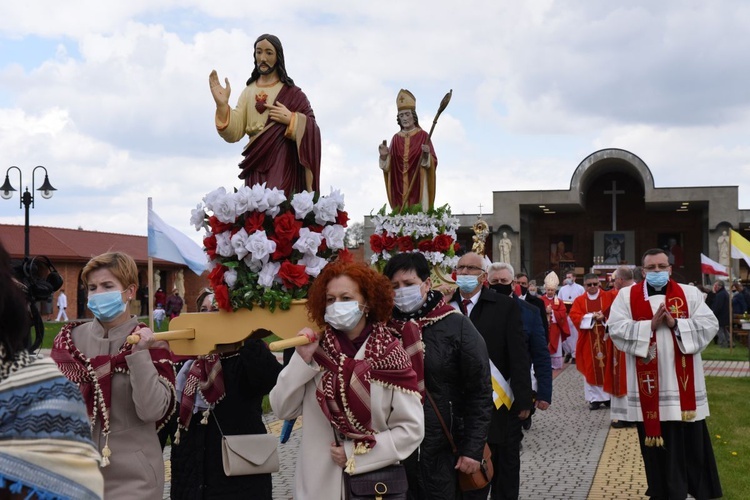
<point x="388" y="483"/>
<point x="480" y="478"/>
<point x="246" y="454"/>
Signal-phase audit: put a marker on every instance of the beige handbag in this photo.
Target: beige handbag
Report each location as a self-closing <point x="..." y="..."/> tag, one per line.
<point x="245" y="454"/>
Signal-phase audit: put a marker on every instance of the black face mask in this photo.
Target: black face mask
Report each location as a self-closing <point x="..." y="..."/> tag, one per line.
<point x="524" y="290"/>
<point x="502" y="289"/>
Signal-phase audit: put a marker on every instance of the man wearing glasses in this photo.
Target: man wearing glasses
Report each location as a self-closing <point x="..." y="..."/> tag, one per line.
<point x="663" y="326"/>
<point x="589" y="315"/>
<point x="498" y="319"/>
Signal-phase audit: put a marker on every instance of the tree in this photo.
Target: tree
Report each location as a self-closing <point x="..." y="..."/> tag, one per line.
<point x="355" y="235"/>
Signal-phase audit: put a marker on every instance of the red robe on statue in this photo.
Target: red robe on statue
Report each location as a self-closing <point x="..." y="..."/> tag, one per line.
<point x="285" y="159"/>
<point x="558" y="327"/>
<point x="405" y="178"/>
<point x="591" y="348"/>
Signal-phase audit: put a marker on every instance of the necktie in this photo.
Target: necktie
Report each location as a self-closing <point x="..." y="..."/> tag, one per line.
<point x="466" y="303"/>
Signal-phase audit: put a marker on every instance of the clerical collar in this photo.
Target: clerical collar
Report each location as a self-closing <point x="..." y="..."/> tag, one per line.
<point x="654" y="291"/>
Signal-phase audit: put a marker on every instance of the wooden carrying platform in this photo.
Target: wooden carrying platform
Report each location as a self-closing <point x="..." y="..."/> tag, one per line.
<point x="195" y="334"/>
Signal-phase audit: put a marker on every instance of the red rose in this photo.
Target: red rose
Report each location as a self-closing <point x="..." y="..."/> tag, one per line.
<point x="342" y="218"/>
<point x="456" y="247"/>
<point x="345" y="256"/>
<point x="376" y="243"/>
<point x="283" y="248"/>
<point x="217" y="226"/>
<point x="293" y="275"/>
<point x="389" y="243"/>
<point x="315" y="228"/>
<point x="216" y="276"/>
<point x="442" y="242"/>
<point x="221" y="295"/>
<point x="426" y="246"/>
<point x="254" y="222"/>
<point x="210" y="243"/>
<point x="286" y="227"/>
<point x="405" y="244"/>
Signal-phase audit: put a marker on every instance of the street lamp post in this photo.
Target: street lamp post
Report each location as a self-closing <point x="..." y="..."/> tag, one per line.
<point x="27" y="198"/>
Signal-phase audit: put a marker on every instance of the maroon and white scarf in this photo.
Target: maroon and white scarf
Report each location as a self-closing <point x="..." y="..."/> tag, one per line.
<point x="344" y="389"/>
<point x="207" y="377"/>
<point x="94" y="377"/>
<point x="647" y="369"/>
<point x="410" y="329"/>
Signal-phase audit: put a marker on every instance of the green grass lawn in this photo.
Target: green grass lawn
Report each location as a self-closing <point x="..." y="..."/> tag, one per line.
<point x="729" y="427"/>
<point x="738" y="353"/>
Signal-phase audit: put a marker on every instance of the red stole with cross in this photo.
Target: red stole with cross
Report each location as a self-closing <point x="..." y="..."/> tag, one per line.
<point x="647" y="369"/>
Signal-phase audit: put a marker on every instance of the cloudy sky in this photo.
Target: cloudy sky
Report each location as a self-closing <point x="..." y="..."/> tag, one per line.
<point x="113" y="97"/>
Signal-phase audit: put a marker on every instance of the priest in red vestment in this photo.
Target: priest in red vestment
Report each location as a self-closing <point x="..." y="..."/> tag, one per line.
<point x="284" y="147"/>
<point x="615" y="377"/>
<point x="409" y="163"/>
<point x="557" y="318"/>
<point x="589" y="315"/>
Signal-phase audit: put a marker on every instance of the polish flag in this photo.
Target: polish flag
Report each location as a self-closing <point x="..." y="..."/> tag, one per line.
<point x="709" y="266"/>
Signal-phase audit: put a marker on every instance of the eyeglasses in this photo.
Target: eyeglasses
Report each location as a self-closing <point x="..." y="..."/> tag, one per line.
<point x="469" y="268"/>
<point x="591" y="284"/>
<point x="660" y="267"/>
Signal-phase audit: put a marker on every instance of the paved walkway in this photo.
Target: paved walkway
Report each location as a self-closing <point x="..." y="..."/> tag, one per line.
<point x="569" y="452"/>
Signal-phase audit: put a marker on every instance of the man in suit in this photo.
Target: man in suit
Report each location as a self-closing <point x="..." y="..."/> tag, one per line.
<point x="522" y="280"/>
<point x="498" y="319"/>
<point x="500" y="278"/>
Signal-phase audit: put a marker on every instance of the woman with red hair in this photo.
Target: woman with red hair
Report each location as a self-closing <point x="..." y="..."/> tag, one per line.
<point x="353" y="383"/>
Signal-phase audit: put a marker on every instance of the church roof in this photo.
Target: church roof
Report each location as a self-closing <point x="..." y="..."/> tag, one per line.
<point x="61" y="244"/>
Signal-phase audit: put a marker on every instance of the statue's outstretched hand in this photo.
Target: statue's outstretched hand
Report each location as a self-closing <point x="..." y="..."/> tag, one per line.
<point x="221" y="94"/>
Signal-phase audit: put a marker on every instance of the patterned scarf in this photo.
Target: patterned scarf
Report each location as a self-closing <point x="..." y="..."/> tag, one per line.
<point x="205" y="376"/>
<point x="410" y="327"/>
<point x="344" y="389"/>
<point x="94" y="377"/>
<point x="647" y="369"/>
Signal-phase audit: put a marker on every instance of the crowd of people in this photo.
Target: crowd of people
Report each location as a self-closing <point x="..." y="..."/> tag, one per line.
<point x="394" y="360"/>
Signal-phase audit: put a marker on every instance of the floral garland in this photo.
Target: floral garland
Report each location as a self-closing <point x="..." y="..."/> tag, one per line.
<point x="266" y="250"/>
<point x="432" y="233"/>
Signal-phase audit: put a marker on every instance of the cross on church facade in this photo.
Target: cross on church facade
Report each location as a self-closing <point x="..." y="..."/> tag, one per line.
<point x="480" y="210"/>
<point x="614" y="192"/>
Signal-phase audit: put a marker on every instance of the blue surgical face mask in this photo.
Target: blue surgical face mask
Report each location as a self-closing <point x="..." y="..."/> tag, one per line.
<point x="106" y="306"/>
<point x="467" y="282"/>
<point x="657" y="279"/>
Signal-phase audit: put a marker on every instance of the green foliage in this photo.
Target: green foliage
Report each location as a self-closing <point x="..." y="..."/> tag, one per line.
<point x="729" y="426"/>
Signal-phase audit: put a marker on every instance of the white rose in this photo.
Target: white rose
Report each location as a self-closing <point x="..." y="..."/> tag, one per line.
<point x="243" y="200"/>
<point x="211" y="198"/>
<point x="197" y="216"/>
<point x="224" y="208"/>
<point x="224" y="244"/>
<point x="268" y="274"/>
<point x="230" y="278"/>
<point x="258" y="197"/>
<point x="275" y="198"/>
<point x="302" y="203"/>
<point x="334" y="236"/>
<point x="338" y="198"/>
<point x="313" y="264"/>
<point x="325" y="210"/>
<point x="252" y="264"/>
<point x="239" y="242"/>
<point x="308" y="241"/>
<point x="260" y="247"/>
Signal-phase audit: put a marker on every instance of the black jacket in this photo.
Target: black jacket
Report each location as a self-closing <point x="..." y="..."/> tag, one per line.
<point x="498" y="319"/>
<point x="197" y="470"/>
<point x="458" y="377"/>
<point x="539" y="303"/>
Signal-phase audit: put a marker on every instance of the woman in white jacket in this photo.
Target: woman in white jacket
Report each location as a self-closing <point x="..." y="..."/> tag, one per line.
<point x="353" y="383"/>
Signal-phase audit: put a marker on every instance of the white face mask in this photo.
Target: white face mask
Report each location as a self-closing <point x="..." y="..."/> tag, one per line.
<point x="408" y="298"/>
<point x="343" y="316"/>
